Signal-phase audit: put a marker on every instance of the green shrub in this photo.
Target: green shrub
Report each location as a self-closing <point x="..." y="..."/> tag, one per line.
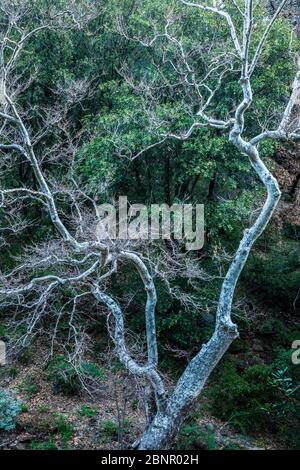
<point x="29" y="388"/>
<point x="10" y="408"/>
<point x="281" y="334"/>
<point x="3" y="330"/>
<point x="111" y="428"/>
<point x="243" y="398"/>
<point x="286" y="410"/>
<point x="65" y="429"/>
<point x="65" y="378"/>
<point x="13" y="372"/>
<point x="275" y="274"/>
<point x="47" y="445"/>
<point x="42" y="408"/>
<point x="87" y="411"/>
<point x="24" y="408"/>
<point x="193" y="437"/>
<point x="25" y="357"/>
<point x="263" y="397"/>
<point x="91" y="370"/>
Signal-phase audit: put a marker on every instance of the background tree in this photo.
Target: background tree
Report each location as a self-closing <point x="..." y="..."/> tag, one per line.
<point x="182" y="84"/>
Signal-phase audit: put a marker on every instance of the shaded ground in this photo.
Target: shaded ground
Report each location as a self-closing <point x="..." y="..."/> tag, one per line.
<point x="53" y="421"/>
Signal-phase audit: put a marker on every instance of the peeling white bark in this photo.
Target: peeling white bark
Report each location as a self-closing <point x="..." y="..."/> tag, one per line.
<point x="148" y="370"/>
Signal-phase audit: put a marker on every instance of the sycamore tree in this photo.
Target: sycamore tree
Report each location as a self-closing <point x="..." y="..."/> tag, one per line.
<point x="231" y="42"/>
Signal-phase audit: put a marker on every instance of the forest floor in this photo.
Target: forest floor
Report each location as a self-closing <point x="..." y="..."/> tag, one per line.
<point x="54" y="421"/>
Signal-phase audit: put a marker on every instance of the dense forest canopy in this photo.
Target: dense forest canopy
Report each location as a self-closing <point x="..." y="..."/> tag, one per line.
<point x="164" y="102"/>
